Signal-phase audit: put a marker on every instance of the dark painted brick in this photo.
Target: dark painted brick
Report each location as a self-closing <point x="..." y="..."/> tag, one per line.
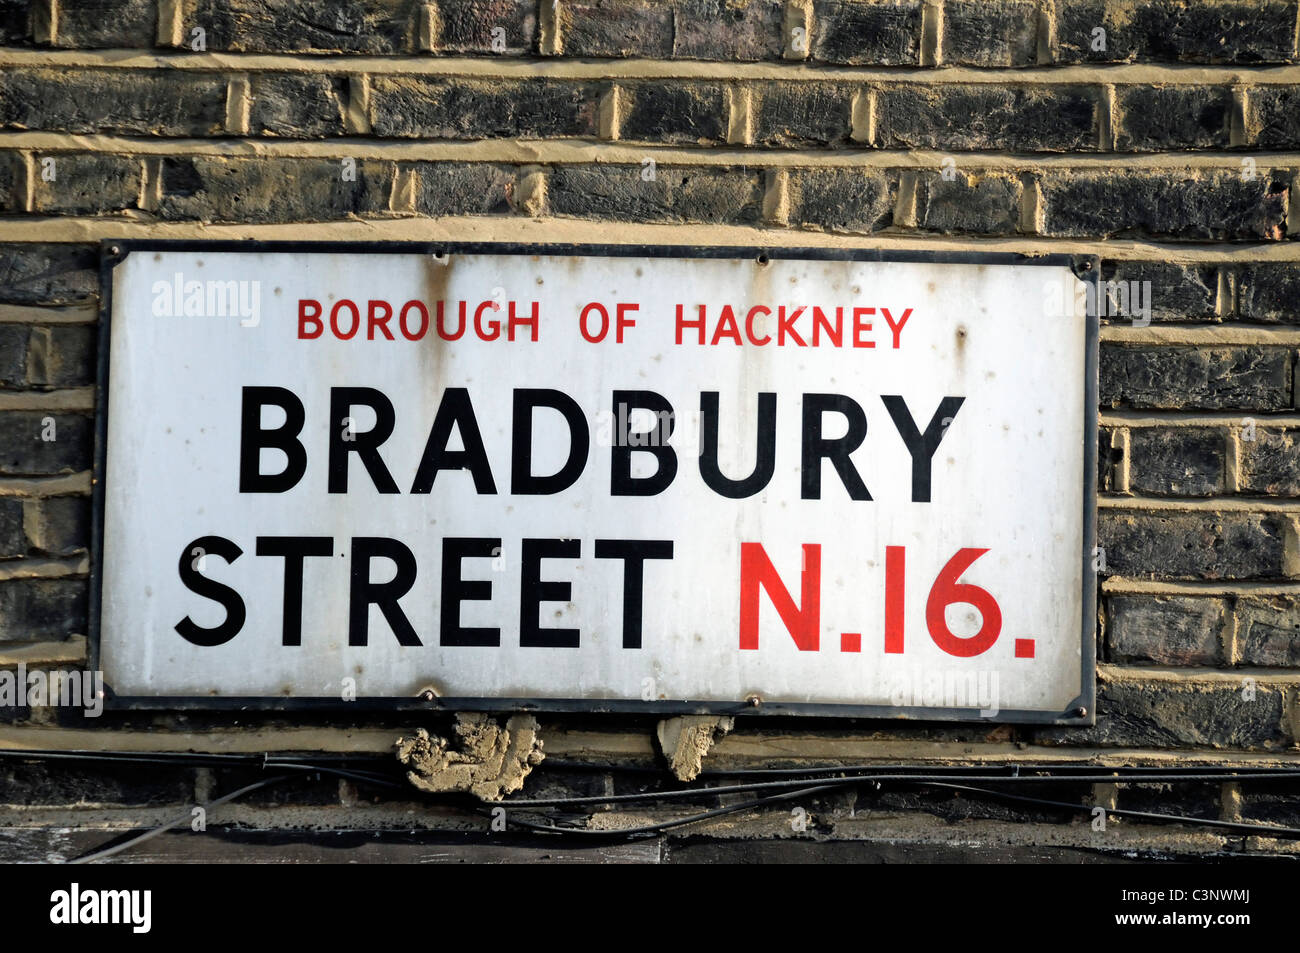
<point x="271" y="189"/>
<point x="57" y="526"/>
<point x="13" y="355"/>
<point x="1168" y="714"/>
<point x="294" y="26"/>
<point x="867" y="32"/>
<point x="1220" y="378"/>
<point x="462" y="188"/>
<point x="843" y="200"/>
<point x="676" y="194"/>
<point x="61" y="355"/>
<point x="1156" y="118"/>
<point x="1192" y="205"/>
<point x="134" y="102"/>
<point x="86" y="184"/>
<point x="980" y="116"/>
<point x="1269" y="291"/>
<point x="46" y="783"/>
<point x="674" y="112"/>
<point x="12" y="540"/>
<point x="987" y="204"/>
<point x="1180" y="461"/>
<point x="13" y="178"/>
<point x="1165" y="630"/>
<point x="15" y="25"/>
<point x="22" y="451"/>
<point x="985" y="33"/>
<point x="1275" y="114"/>
<point x="617" y="28"/>
<point x="1175" y="292"/>
<point x="429" y="107"/>
<point x="465" y="26"/>
<point x="1191" y="545"/>
<point x="1271" y="802"/>
<point x="1270" y="461"/>
<point x="1268" y="631"/>
<point x="728" y="29"/>
<point x="42" y="609"/>
<point x="43" y="273"/>
<point x="297" y="105"/>
<point x="802" y="114"/>
<point x="1203" y="31"/>
<point x="107" y="23"/>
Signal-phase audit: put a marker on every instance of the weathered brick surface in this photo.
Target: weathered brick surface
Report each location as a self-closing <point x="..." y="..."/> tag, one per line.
<point x="1180" y="461"/>
<point x="363" y="26"/>
<point x="1274" y="114"/>
<point x="12" y="540"/>
<point x="1174" y="292"/>
<point x="1270" y="460"/>
<point x="85" y="183"/>
<point x="622" y="193"/>
<point x="1156" y="118"/>
<point x="876" y="32"/>
<point x="979" y="116"/>
<point x="59" y="356"/>
<point x="1197" y="204"/>
<point x="982" y="204"/>
<point x="461" y="188"/>
<point x="1205" y="31"/>
<point x="1191" y="545"/>
<point x="45" y="273"/>
<point x="1167" y="714"/>
<point x="728" y="29"/>
<point x="980" y="33"/>
<point x="297" y="105"/>
<point x="106" y="23"/>
<point x="1165" y="630"/>
<point x="849" y="200"/>
<point x="675" y="112"/>
<point x="38" y="784"/>
<point x="1217" y="378"/>
<point x="43" y="443"/>
<point x="57" y="526"/>
<point x="466" y="26"/>
<point x="1269" y="291"/>
<point x="130" y="102"/>
<point x="1269" y="631"/>
<point x="272" y="189"/>
<point x="15" y="23"/>
<point x="618" y="28"/>
<point x="802" y="114"/>
<point x="42" y="609"/>
<point x="433" y="108"/>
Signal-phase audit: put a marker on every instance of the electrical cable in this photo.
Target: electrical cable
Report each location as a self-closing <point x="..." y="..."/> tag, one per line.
<point x="161" y="829"/>
<point x="789" y="782"/>
<point x="661" y="826"/>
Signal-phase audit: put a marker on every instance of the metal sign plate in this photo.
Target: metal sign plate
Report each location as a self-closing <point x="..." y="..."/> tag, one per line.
<point x="663" y="479"/>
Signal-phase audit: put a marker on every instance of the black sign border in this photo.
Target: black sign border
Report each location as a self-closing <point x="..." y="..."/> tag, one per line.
<point x="1080" y="711"/>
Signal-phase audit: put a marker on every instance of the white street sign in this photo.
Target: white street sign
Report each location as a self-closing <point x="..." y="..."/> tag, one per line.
<point x="598" y="480"/>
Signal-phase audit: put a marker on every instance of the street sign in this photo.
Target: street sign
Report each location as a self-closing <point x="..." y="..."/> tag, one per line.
<point x="663" y="479"/>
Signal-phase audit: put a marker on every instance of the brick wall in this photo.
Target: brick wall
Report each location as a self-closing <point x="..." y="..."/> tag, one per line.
<point x="1161" y="135"/>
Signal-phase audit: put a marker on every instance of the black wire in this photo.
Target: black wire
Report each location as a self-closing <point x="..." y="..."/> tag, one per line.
<point x="848" y="779"/>
<point x="661" y="826"/>
<point x="163" y="828"/>
<point x="1288" y="833"/>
